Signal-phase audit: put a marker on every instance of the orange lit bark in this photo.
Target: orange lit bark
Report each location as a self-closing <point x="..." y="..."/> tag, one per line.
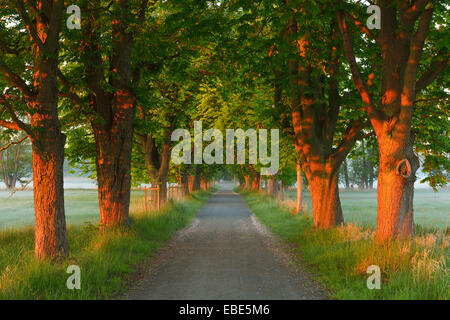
<point x="323" y="185"/>
<point x="299" y="207"/>
<point x="398" y="165"/>
<point x="41" y="101"/>
<point x="113" y="162"/>
<point x="48" y="193"/>
<point x="247" y="185"/>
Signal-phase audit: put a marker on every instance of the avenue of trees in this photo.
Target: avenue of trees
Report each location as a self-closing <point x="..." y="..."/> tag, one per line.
<point x="355" y="106"/>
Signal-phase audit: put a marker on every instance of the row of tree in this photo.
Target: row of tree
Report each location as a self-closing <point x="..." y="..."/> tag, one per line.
<point x="109" y="95"/>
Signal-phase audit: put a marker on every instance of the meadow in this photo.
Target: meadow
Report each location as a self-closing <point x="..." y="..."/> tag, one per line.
<point x="81" y="205"/>
<point x="431" y="209"/>
<point x="339" y="258"/>
<point x="108" y="258"/>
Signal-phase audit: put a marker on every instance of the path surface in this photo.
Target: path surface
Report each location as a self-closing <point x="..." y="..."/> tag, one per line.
<point x="225" y="254"/>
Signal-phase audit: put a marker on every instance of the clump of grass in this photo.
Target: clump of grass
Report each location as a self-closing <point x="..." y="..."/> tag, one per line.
<point x="339" y="258"/>
<point x="105" y="257"/>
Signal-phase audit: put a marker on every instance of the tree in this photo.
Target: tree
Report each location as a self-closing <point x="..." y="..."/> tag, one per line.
<point x="29" y="89"/>
<point x="316" y="100"/>
<point x="108" y="77"/>
<point x="401" y="43"/>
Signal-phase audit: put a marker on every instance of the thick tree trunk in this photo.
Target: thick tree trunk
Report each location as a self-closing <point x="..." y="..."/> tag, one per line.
<point x="247" y="182"/>
<point x="370" y="169"/>
<point x="271" y="186"/>
<point x="299" y="189"/>
<point x="190" y="183"/>
<point x="326" y="204"/>
<point x="185" y="183"/>
<point x="48" y="141"/>
<point x="398" y="165"/>
<point x="114" y="173"/>
<point x="255" y="182"/>
<point x="197" y="178"/>
<point x="48" y="192"/>
<point x="204" y="185"/>
<point x="281" y="193"/>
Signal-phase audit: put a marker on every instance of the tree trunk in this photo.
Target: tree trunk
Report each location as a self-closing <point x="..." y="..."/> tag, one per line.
<point x="114" y="173"/>
<point x="299" y="189"/>
<point x="398" y="165"/>
<point x="255" y="182"/>
<point x="185" y="182"/>
<point x="190" y="183"/>
<point x="204" y="185"/>
<point x="271" y="186"/>
<point x="48" y="192"/>
<point x="197" y="177"/>
<point x="113" y="108"/>
<point x="247" y="182"/>
<point x="325" y="199"/>
<point x="370" y="169"/>
<point x="281" y="194"/>
<point x="347" y="182"/>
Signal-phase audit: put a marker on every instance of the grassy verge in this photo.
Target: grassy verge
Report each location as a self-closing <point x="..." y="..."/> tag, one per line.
<point x="339" y="258"/>
<point x="105" y="258"/>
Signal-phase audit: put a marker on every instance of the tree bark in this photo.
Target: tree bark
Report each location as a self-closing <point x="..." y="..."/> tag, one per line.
<point x="156" y="162"/>
<point x="281" y="193"/>
<point x="299" y="188"/>
<point x="247" y="185"/>
<point x="113" y="163"/>
<point x="324" y="188"/>
<point x="197" y="177"/>
<point x="398" y="165"/>
<point x="271" y="186"/>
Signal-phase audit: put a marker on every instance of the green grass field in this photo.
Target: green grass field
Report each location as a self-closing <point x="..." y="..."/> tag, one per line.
<point x="106" y="258"/>
<point x="431" y="209"/>
<point x="339" y="258"/>
<point x="81" y="206"/>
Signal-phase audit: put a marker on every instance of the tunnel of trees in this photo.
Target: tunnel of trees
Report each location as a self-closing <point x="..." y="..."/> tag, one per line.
<point x="357" y="107"/>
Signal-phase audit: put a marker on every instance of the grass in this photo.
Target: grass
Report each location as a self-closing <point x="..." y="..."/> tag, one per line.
<point x="431" y="209"/>
<point x="339" y="258"/>
<point x="105" y="258"/>
<point x="81" y="206"/>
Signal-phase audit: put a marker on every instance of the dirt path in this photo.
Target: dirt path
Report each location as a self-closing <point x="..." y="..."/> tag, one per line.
<point x="225" y="254"/>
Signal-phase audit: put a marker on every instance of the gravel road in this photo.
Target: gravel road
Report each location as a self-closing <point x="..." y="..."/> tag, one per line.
<point x="225" y="254"/>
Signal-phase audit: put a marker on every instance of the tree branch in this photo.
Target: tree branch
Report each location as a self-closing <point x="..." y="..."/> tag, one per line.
<point x="12" y="143"/>
<point x="432" y="73"/>
<point x="372" y="112"/>
<point x="16" y="80"/>
<point x="30" y="27"/>
<point x="20" y="124"/>
<point x="362" y="27"/>
<point x="351" y="135"/>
